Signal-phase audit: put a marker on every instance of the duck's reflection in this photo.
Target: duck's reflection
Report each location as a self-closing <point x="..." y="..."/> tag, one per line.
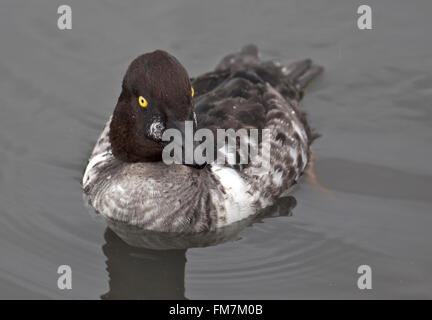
<point x="151" y="265"/>
<point x="141" y="273"/>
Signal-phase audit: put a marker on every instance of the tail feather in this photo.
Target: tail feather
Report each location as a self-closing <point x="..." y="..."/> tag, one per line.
<point x="301" y="73"/>
<point x="290" y="80"/>
<point x="310" y="74"/>
<point x="295" y="69"/>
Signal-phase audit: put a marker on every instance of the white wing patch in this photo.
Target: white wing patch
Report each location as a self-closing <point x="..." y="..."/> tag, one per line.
<point x="92" y="163"/>
<point x="237" y="200"/>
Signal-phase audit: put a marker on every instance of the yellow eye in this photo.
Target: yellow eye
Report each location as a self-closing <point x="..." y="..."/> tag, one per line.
<point x="142" y="101"/>
<point x="192" y="91"/>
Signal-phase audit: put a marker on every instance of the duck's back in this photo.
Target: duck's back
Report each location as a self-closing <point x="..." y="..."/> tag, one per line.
<point x="244" y="92"/>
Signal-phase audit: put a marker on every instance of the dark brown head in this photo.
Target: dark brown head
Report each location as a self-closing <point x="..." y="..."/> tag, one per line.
<point x="156" y="93"/>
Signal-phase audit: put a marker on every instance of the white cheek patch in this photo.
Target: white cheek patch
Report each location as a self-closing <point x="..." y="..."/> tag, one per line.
<point x="155" y="130"/>
<point x="195" y="119"/>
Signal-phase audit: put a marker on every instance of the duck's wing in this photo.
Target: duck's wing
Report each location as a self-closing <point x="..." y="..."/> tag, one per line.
<point x="244" y="92"/>
<point x="232" y="96"/>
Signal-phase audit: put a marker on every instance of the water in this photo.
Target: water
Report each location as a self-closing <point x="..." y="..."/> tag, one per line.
<point x="371" y="205"/>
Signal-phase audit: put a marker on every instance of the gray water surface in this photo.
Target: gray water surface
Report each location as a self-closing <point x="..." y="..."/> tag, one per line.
<point x="370" y="204"/>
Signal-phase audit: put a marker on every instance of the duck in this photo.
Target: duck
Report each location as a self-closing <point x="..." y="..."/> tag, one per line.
<point x="126" y="178"/>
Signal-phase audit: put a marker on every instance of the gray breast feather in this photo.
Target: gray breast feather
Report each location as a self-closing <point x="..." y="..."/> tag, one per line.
<point x="152" y="195"/>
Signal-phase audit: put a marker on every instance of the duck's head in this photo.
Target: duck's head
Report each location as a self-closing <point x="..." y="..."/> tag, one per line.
<point x="156" y="96"/>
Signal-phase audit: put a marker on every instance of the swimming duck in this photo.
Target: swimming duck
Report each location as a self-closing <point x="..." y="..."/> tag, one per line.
<point x="125" y="178"/>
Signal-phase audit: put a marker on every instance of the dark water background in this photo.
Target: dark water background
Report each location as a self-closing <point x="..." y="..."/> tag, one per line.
<point x="372" y="206"/>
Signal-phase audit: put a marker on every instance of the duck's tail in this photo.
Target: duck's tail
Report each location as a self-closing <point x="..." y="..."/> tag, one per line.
<point x="302" y="72"/>
<point x="289" y="80"/>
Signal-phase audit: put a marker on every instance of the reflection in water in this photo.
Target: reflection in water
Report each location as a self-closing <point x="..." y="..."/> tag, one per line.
<point x="151" y="265"/>
<point x="140" y="273"/>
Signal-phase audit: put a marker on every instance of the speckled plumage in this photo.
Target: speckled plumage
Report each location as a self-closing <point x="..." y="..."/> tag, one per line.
<point x="242" y="92"/>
